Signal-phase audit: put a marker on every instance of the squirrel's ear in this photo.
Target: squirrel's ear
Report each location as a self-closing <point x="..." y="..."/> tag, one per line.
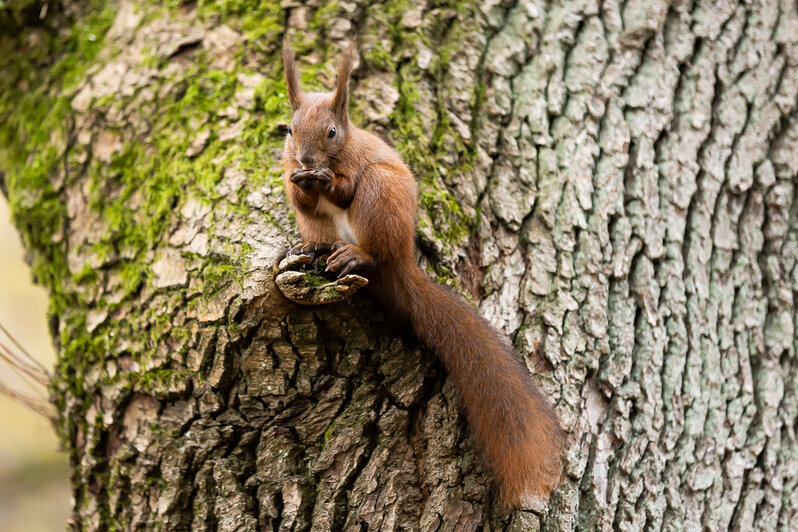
<point x="291" y="77"/>
<point x="341" y="96"/>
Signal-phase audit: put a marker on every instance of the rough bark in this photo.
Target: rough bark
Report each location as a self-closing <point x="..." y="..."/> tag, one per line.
<point x="612" y="183"/>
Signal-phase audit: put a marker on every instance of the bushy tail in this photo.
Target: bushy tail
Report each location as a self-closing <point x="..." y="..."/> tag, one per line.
<point x="513" y="426"/>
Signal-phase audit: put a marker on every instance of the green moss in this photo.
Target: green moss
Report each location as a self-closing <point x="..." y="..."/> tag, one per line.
<point x="261" y="22"/>
<point x="315" y="280"/>
<point x="328" y="434"/>
<point x="38" y="69"/>
<point x="33" y="112"/>
<point x="217" y="275"/>
<point x="132" y="276"/>
<point x="331" y="293"/>
<point x="450" y="223"/>
<point x="86" y="275"/>
<point x="136" y="195"/>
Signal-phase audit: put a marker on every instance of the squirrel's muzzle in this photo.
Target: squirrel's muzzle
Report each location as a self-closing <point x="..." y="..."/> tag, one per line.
<point x="307" y="160"/>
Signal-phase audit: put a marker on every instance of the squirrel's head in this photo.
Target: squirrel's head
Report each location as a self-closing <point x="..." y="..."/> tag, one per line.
<point x="319" y="123"/>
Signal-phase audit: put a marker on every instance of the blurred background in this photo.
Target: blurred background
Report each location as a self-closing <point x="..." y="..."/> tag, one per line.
<point x="34" y="486"/>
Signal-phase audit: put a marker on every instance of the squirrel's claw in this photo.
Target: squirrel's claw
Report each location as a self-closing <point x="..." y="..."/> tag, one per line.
<point x="347" y="258"/>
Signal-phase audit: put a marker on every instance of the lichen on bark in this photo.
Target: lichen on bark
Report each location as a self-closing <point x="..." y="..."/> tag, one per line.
<point x="613" y="183"/>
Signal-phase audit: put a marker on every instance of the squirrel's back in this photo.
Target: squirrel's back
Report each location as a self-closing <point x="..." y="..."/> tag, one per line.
<point x="365" y="148"/>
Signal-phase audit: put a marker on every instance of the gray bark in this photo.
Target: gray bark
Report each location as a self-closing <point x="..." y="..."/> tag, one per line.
<point x="613" y="184"/>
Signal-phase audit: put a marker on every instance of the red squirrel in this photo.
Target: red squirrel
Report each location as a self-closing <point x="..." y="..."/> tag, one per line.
<point x="356" y="199"/>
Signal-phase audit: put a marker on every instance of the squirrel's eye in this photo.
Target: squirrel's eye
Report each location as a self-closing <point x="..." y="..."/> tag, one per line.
<point x="290" y="131"/>
<point x="331" y="134"/>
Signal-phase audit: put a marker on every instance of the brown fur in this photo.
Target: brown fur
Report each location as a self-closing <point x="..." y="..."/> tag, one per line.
<point x="291" y="77"/>
<point x="513" y="426"/>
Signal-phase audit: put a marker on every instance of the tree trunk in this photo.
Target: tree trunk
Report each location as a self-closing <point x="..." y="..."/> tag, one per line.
<point x="612" y="183"/>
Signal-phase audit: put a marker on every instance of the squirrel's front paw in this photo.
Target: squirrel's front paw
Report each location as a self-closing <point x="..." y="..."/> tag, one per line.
<point x="310" y="248"/>
<point x="311" y="178"/>
<point x="347" y="258"/>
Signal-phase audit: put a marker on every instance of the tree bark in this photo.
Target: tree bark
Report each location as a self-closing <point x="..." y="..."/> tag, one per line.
<point x="611" y="183"/>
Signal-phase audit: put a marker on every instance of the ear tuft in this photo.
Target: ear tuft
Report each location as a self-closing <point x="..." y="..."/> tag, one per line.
<point x="341" y="96"/>
<point x="291" y="77"/>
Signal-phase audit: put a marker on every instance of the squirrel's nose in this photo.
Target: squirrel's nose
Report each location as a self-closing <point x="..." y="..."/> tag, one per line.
<point x="306" y="159"/>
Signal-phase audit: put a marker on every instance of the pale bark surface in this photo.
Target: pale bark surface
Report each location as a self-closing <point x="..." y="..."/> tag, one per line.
<point x="613" y="183"/>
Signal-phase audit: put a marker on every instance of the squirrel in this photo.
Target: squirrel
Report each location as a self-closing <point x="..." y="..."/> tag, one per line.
<point x="356" y="199"/>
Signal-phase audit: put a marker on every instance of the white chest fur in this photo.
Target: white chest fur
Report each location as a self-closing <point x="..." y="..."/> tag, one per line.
<point x="340" y="219"/>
